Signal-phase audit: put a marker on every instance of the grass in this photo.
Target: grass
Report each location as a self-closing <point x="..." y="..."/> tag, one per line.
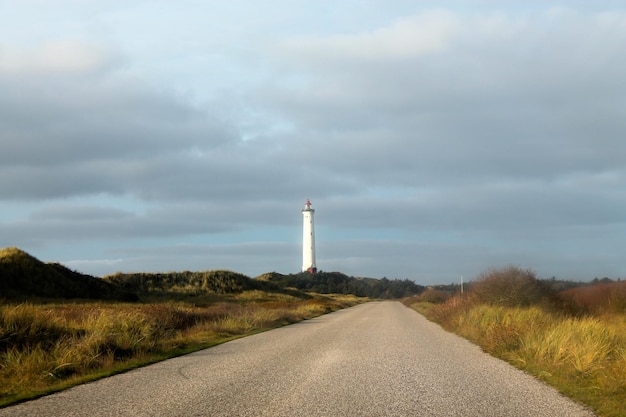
<point x="583" y="357"/>
<point x="45" y="348"/>
<point x="578" y="348"/>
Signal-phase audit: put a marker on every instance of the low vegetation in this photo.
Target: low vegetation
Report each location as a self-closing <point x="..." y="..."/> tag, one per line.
<point x="574" y="340"/>
<point x="59" y="328"/>
<point x="48" y="347"/>
<point x="186" y="282"/>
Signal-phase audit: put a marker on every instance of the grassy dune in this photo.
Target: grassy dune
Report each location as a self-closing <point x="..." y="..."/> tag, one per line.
<point x="59" y="327"/>
<point x="575" y="341"/>
<point x="44" y="348"/>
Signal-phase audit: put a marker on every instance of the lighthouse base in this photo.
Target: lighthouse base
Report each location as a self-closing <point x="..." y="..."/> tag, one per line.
<point x="311" y="270"/>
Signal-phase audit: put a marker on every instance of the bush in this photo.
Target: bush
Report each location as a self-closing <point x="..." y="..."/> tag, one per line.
<point x="512" y="287"/>
<point x="434" y="296"/>
<point x="598" y="299"/>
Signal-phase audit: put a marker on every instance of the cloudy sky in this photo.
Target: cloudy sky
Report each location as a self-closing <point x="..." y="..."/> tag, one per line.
<point x="435" y="139"/>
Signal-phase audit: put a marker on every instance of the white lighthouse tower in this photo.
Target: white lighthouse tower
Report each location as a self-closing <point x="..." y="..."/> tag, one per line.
<point x="308" y="239"/>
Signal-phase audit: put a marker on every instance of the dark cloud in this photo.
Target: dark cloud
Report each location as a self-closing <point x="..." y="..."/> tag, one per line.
<point x="431" y="141"/>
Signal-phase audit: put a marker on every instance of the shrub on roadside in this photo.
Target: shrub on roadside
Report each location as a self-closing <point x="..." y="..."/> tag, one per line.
<point x="512" y="287"/>
<point x="432" y="295"/>
<point x="598" y="299"/>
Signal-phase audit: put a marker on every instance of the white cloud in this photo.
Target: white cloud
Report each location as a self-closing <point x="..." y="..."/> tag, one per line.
<point x="93" y="264"/>
<point x="56" y="56"/>
<point x="406" y="38"/>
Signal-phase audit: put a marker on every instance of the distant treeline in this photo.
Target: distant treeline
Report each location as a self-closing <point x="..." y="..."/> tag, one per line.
<point x="338" y="283"/>
<point x="224" y="282"/>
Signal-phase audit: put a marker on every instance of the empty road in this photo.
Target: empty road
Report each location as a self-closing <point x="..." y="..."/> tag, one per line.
<point x="375" y="359"/>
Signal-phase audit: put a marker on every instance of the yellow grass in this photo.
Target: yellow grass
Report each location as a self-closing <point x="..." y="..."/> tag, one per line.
<point x="584" y="357"/>
<point x="44" y="348"/>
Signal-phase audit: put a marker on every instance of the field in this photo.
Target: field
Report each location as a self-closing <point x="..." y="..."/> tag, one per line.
<point x="48" y="347"/>
<point x="574" y="340"/>
<point x="59" y="327"/>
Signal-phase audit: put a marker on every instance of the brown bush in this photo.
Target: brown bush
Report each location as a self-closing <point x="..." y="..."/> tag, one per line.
<point x="512" y="287"/>
<point x="598" y="298"/>
<point x="448" y="312"/>
<point x="431" y="295"/>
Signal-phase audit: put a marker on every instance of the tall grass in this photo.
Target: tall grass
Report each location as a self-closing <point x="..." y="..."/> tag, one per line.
<point x="47" y="347"/>
<point x="569" y="341"/>
<point x="584" y="345"/>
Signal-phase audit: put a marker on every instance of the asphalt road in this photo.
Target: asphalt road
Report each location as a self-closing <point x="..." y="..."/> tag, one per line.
<point x="375" y="359"/>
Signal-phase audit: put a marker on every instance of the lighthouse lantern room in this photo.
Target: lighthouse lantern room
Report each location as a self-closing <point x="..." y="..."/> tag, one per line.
<point x="308" y="239"/>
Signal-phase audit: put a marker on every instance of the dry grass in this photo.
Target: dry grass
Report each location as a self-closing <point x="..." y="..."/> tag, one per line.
<point x="44" y="348"/>
<point x="581" y="354"/>
<point x="584" y="357"/>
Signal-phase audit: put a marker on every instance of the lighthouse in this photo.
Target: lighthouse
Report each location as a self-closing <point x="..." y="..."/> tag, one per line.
<point x="308" y="239"/>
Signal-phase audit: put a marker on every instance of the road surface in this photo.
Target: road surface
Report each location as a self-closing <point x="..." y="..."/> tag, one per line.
<point x="375" y="359"/>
